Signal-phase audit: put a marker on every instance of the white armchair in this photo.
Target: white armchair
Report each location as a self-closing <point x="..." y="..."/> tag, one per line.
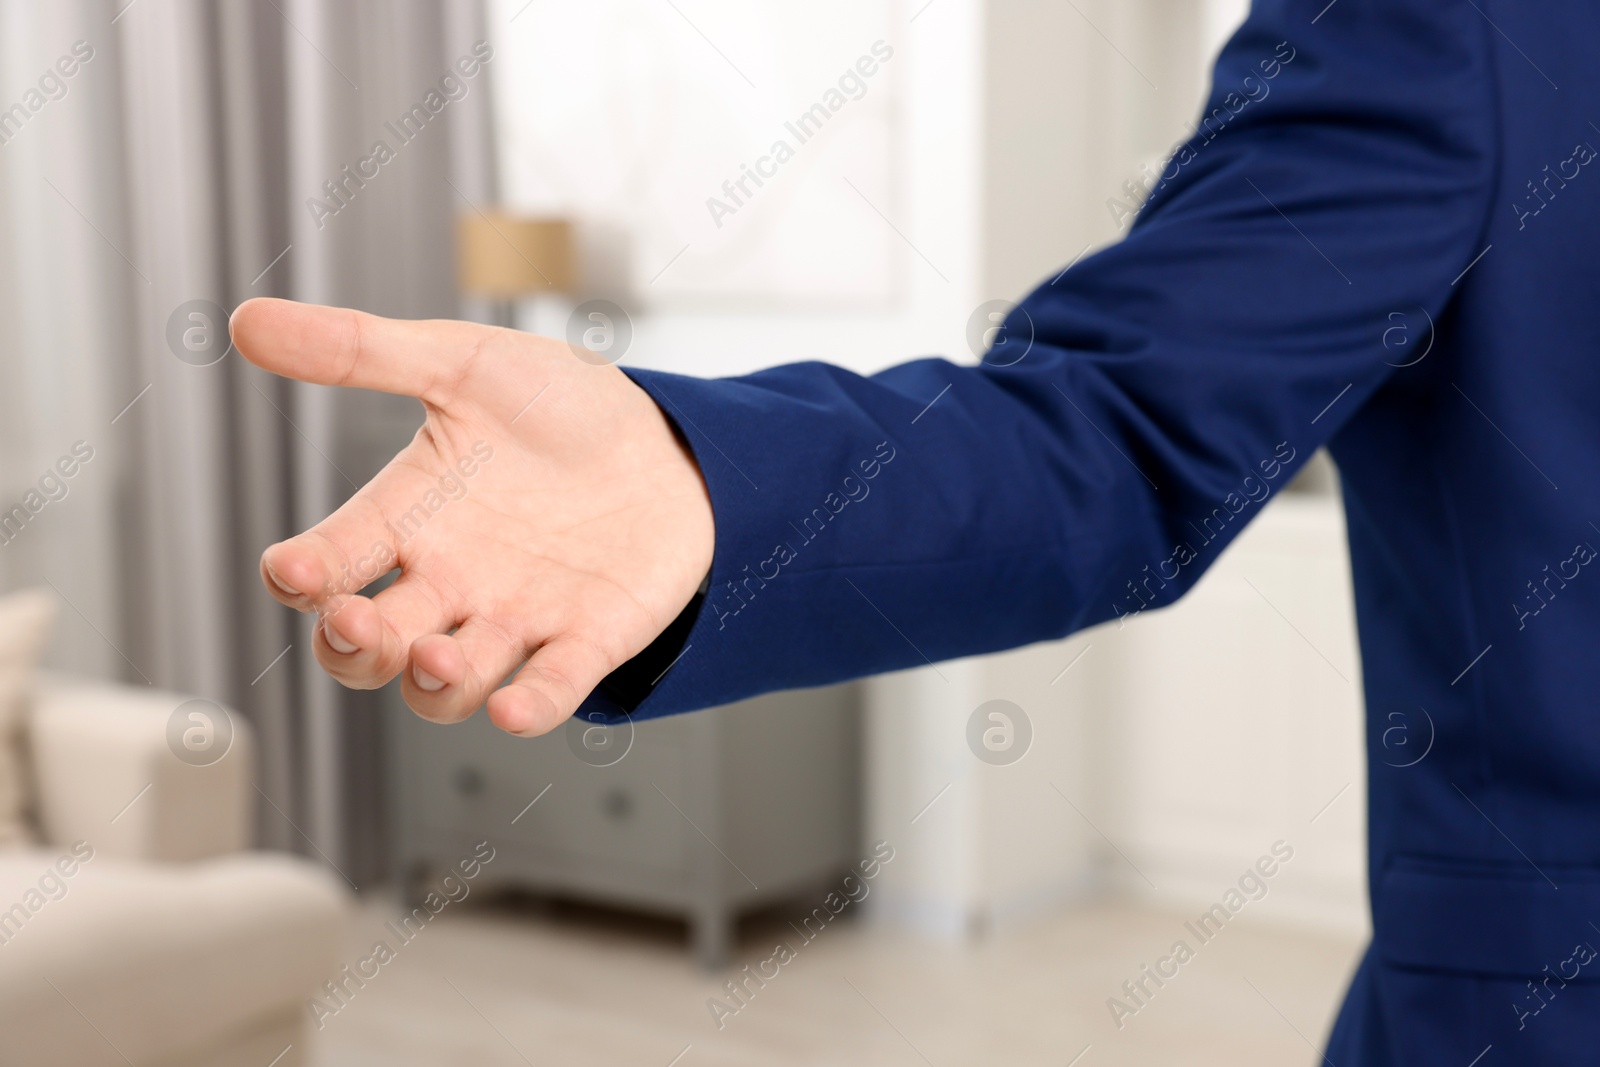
<point x="140" y="931"/>
<point x="96" y="747"/>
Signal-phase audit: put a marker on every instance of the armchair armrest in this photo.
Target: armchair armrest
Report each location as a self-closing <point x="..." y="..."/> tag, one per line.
<point x="106" y="774"/>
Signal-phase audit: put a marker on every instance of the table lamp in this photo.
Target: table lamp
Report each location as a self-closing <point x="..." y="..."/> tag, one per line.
<point x="505" y="258"/>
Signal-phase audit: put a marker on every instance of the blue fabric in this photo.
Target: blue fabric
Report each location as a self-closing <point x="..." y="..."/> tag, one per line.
<point x="1336" y="204"/>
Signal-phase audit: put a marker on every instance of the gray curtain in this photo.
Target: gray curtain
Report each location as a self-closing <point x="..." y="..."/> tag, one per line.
<point x="181" y="162"/>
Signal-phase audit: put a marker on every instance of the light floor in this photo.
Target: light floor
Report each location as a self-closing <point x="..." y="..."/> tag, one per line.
<point x="517" y="984"/>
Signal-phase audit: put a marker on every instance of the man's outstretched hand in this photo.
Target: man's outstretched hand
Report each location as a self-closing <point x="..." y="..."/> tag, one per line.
<point x="545" y="509"/>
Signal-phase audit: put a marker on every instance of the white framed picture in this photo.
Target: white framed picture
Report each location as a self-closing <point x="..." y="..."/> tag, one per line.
<point x="711" y="151"/>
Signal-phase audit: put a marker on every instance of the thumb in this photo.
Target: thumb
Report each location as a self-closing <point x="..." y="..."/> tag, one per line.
<point x="340" y="346"/>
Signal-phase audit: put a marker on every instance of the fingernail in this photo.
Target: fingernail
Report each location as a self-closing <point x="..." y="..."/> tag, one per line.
<point x="425" y="681"/>
<point x="337" y="641"/>
<point x="282" y="587"/>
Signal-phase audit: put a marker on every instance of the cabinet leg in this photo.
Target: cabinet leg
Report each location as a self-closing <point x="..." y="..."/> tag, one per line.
<point x="712" y="936"/>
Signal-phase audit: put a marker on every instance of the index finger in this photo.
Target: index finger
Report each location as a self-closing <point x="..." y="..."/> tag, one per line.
<point x="340" y="346"/>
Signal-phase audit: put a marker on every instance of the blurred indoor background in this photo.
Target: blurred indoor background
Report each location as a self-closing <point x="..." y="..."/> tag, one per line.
<point x="896" y="871"/>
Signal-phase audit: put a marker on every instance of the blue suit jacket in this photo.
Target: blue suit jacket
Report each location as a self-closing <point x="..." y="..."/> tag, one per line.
<point x="1372" y="177"/>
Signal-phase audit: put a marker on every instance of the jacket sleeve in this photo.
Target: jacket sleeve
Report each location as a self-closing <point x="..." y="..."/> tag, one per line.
<point x="1144" y="404"/>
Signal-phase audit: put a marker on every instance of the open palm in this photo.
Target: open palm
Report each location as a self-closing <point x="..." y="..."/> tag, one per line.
<point x="546" y="509"/>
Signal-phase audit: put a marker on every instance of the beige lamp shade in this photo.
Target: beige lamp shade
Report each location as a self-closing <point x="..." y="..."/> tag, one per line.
<point x="506" y="256"/>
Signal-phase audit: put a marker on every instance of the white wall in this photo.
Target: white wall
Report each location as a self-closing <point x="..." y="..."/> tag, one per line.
<point x="983" y="845"/>
<point x="1001" y="129"/>
<point x="915" y="300"/>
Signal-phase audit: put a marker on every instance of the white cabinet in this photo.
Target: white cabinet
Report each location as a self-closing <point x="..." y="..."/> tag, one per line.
<point x="700" y="816"/>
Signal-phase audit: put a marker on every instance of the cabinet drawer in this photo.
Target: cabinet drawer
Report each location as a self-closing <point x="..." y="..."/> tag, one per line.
<point x="483" y="783"/>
